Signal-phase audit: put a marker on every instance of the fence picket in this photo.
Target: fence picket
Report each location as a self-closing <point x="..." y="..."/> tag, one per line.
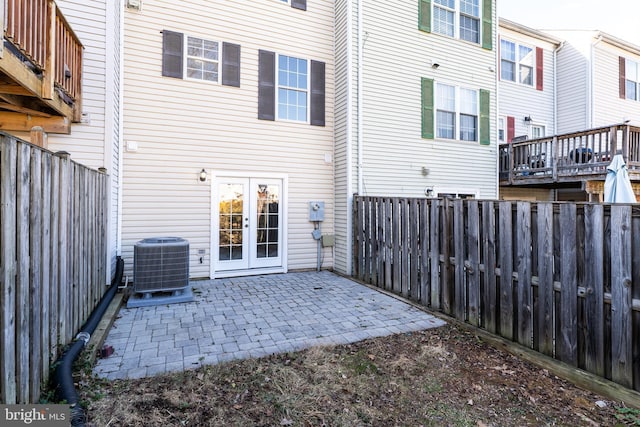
<point x="545" y="279"/>
<point x="434" y="243"/>
<point x="594" y="295"/>
<point x="524" y="291"/>
<point x="425" y="290"/>
<point x="505" y="243"/>
<point x="388" y="245"/>
<point x="35" y="272"/>
<point x="22" y="272"/>
<point x="473" y="271"/>
<point x="8" y="184"/>
<point x="404" y="255"/>
<point x="621" y="292"/>
<point x="397" y="236"/>
<point x="567" y="343"/>
<point x="460" y="290"/>
<point x="414" y="237"/>
<point x="489" y="259"/>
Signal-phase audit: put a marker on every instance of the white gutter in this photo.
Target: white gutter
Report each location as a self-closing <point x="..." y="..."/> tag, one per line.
<point x="555" y="87"/>
<point x="349" y="138"/>
<point x="360" y="71"/>
<point x="591" y="103"/>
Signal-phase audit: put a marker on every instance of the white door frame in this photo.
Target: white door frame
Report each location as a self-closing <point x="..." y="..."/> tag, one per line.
<point x="214" y="217"/>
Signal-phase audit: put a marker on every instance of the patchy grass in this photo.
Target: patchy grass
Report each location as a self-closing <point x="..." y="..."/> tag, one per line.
<point x="438" y="377"/>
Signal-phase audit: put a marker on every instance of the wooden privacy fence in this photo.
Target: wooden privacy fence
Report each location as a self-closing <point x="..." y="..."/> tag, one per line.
<point x="559" y="278"/>
<point x="53" y="243"/>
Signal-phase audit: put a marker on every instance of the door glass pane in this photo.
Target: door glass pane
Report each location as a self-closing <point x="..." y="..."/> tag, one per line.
<point x="267" y="208"/>
<point x="231" y="230"/>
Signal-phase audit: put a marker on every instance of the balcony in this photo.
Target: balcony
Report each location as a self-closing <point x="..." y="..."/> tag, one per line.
<point x="569" y="158"/>
<point x="40" y="68"/>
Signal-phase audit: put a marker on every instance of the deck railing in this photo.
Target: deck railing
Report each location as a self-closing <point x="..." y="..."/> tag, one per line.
<point x="571" y="156"/>
<point x="40" y="33"/>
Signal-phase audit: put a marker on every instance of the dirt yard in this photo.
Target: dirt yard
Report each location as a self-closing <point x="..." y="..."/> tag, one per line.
<point x="438" y="377"/>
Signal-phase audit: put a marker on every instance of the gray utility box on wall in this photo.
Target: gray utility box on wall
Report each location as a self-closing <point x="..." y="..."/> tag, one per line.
<point x="161" y="264"/>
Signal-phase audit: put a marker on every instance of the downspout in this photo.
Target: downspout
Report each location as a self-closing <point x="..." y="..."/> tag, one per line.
<point x="555" y="87"/>
<point x="349" y="137"/>
<point x="120" y="130"/>
<point x="591" y="102"/>
<point x="62" y="379"/>
<point x="360" y="96"/>
<point x="496" y="80"/>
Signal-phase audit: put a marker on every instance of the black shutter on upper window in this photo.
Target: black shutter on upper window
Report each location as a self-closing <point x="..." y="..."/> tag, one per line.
<point x="299" y="4"/>
<point x="172" y="45"/>
<point x="231" y="64"/>
<point x="317" y="117"/>
<point x="266" y="85"/>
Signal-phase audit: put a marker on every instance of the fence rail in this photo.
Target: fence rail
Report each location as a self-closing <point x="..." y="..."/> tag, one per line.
<point x="559" y="278"/>
<point x="53" y="241"/>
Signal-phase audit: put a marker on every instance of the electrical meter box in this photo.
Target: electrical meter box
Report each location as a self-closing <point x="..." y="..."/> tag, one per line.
<point x="316" y="211"/>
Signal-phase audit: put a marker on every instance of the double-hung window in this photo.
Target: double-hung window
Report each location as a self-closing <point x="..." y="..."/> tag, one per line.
<point x="293" y="85"/>
<point x="195" y="58"/>
<point x="456" y="113"/>
<point x="457" y="18"/>
<point x="202" y="59"/>
<point x="632" y="80"/>
<point x="291" y="88"/>
<point x="516" y="63"/>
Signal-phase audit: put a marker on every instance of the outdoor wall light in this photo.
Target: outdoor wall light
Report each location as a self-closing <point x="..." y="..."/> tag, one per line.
<point x="203" y="175"/>
<point x="527" y="119"/>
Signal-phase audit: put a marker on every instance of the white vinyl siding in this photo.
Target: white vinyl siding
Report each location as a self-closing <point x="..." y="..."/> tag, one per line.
<point x="95" y="142"/>
<point x="520" y="100"/>
<point x="394" y="152"/>
<point x="179" y="130"/>
<point x="608" y="107"/>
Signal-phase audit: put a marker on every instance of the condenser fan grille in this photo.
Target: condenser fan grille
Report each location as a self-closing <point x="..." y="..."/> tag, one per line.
<point x="161" y="264"/>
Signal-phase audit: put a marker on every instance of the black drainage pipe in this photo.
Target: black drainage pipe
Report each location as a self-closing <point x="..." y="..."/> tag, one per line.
<point x="62" y="378"/>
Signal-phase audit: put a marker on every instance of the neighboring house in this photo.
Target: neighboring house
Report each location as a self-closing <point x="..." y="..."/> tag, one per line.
<point x="415" y="103"/>
<point x="597" y="82"/>
<point x="526" y="90"/>
<point x="228" y="131"/>
<point x="66" y="98"/>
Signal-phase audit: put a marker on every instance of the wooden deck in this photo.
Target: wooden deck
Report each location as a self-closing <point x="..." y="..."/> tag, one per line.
<point x="573" y="157"/>
<point x="40" y="68"/>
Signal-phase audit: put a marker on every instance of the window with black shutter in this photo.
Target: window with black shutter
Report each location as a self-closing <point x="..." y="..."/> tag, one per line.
<point x="203" y="60"/>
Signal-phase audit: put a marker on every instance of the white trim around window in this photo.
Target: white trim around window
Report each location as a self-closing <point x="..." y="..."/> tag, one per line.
<point x="517" y="63"/>
<point x="460" y="19"/>
<point x="202" y="59"/>
<point x="293" y="94"/>
<point x="457" y="112"/>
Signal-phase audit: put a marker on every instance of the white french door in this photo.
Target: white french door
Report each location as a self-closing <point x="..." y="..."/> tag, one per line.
<point x="247" y="223"/>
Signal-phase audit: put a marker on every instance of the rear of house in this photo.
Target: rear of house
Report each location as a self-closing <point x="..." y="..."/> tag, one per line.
<point x="229" y="131"/>
<point x="527" y="87"/>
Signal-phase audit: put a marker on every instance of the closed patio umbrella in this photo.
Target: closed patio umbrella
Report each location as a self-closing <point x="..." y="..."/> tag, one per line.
<point x="617" y="186"/>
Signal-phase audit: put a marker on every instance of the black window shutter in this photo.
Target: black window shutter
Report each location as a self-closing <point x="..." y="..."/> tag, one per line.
<point x="317" y="93"/>
<point x="231" y="64"/>
<point x="299" y="4"/>
<point x="266" y="85"/>
<point x="172" y="45"/>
